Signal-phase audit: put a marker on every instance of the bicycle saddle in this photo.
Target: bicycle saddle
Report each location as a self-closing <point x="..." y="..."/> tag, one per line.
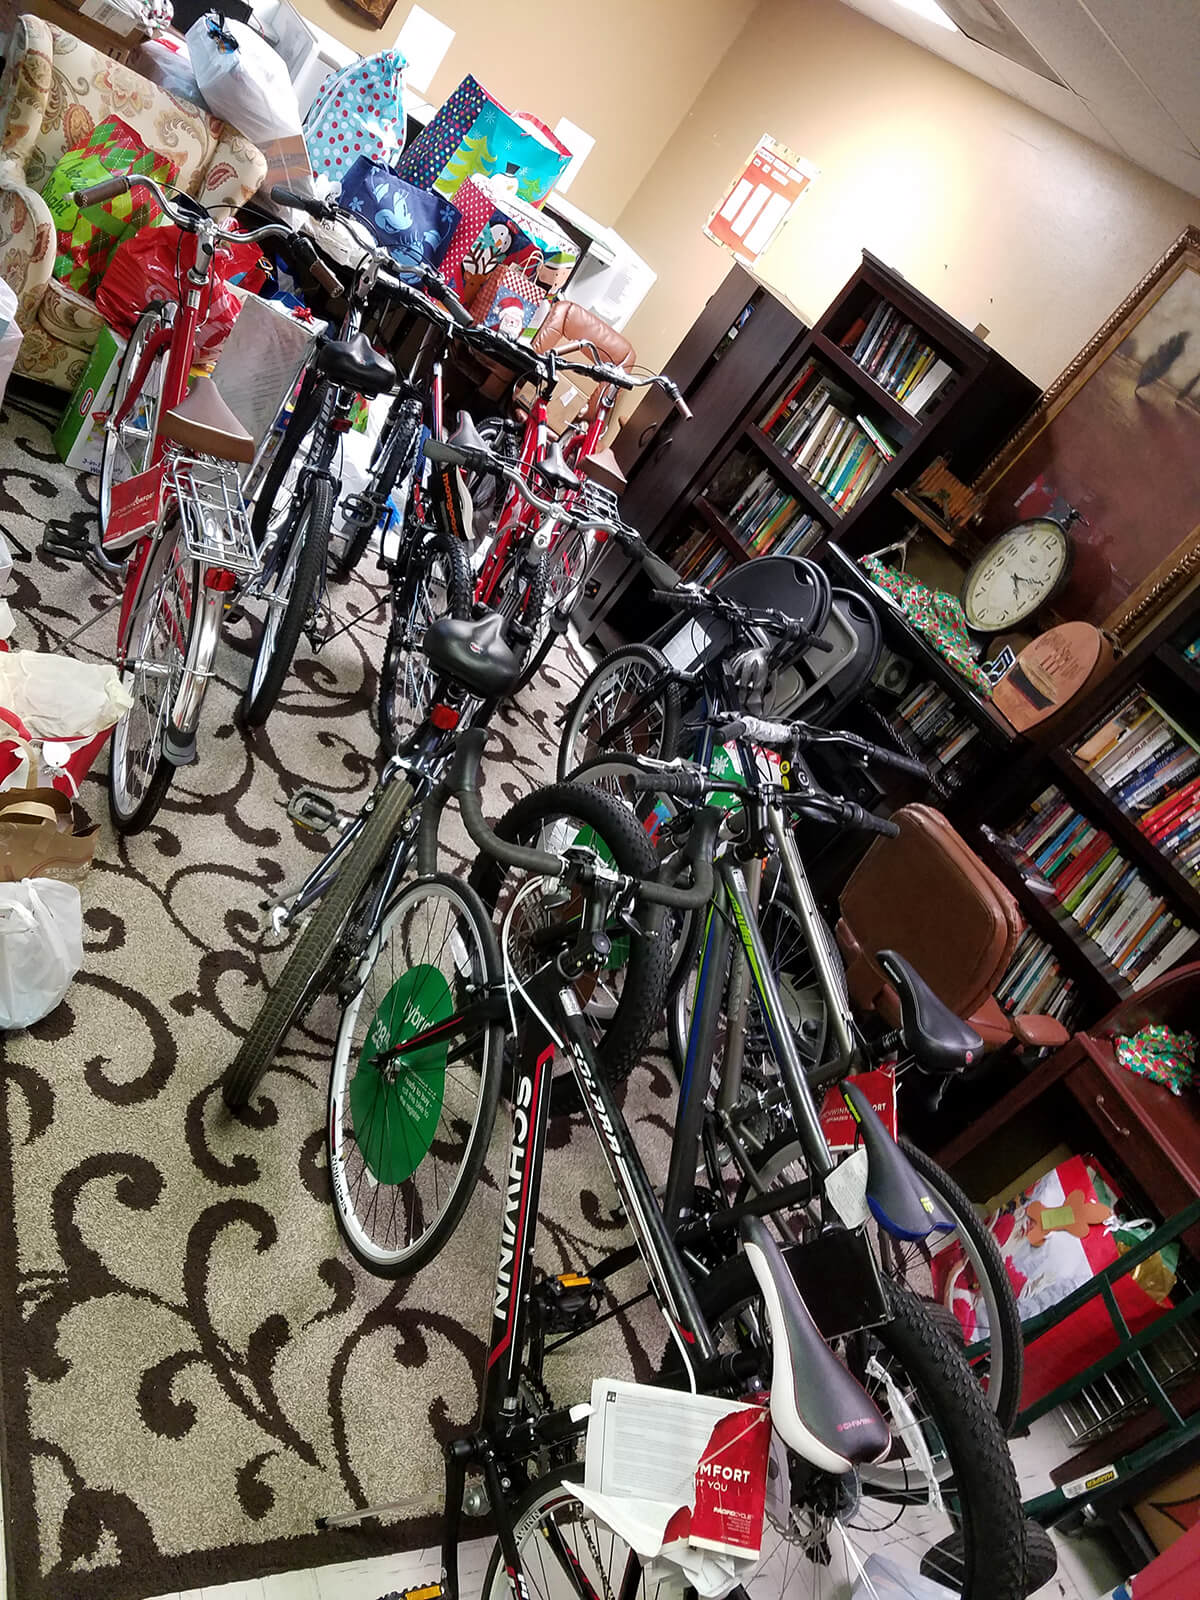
<point x="941" y="1042"/>
<point x="818" y="1408"/>
<point x="355" y="364"/>
<point x="896" y="1195"/>
<point x="204" y="423"/>
<point x="553" y="469"/>
<point x="471" y="651"/>
<point x="467" y="436"/>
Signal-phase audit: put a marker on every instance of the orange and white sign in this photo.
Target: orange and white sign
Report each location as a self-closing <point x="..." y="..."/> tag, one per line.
<point x="759" y="200"/>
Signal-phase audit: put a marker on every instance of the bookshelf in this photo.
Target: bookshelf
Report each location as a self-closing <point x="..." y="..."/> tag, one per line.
<point x="736" y="395"/>
<point x="1123" y="766"/>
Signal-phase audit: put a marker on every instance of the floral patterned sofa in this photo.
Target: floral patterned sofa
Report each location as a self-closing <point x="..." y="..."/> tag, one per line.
<point x="54" y="90"/>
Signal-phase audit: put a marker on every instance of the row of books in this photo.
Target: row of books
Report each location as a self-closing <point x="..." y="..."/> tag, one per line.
<point x="1124" y="915"/>
<point x="702" y="558"/>
<point x="893" y="352"/>
<point x="1140" y="755"/>
<point x="765" y="517"/>
<point x="1173" y="826"/>
<point x="1034" y="982"/>
<point x="818" y="427"/>
<point x="935" y="722"/>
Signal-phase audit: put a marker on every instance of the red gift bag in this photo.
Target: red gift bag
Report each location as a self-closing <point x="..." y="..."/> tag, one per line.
<point x="146" y="268"/>
<point x="511" y="298"/>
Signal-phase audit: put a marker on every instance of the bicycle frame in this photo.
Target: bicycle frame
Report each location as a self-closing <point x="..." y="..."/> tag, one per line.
<point x="499" y="1438"/>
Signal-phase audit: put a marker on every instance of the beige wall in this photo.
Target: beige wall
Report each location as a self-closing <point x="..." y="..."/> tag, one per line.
<point x="1001" y="215"/>
<point x="624" y="70"/>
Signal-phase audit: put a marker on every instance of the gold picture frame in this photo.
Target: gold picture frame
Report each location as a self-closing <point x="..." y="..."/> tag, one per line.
<point x="376" y="11"/>
<point x="1107" y="437"/>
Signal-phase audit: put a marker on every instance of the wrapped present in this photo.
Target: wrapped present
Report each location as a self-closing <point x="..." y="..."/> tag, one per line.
<point x="1160" y="1054"/>
<point x="484" y="239"/>
<point x="473" y="135"/>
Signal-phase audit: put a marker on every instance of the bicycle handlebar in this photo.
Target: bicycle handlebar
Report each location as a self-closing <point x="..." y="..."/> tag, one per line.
<point x="693" y="600"/>
<point x="462" y="780"/>
<point x="95" y="193"/>
<point x="802" y="735"/>
<point x="189" y="220"/>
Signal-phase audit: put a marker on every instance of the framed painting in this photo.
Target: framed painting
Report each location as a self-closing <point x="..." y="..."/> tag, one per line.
<point x="376" y="11"/>
<point x="1117" y="438"/>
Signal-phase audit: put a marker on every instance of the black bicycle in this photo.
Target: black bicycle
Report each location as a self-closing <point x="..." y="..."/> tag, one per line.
<point x="889" y="1454"/>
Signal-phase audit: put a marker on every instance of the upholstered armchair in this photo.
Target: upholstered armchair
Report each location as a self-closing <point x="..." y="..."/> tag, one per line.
<point x="54" y="90"/>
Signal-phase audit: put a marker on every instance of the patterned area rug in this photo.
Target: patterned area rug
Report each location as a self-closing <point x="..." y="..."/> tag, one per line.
<point x="193" y="1367"/>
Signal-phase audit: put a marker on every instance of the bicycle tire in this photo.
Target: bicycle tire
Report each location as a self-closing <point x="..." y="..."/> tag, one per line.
<point x="394" y="1263"/>
<point x="1004" y="1397"/>
<point x="290" y="997"/>
<point x="993" y="1536"/>
<point x="308" y="543"/>
<point x="621" y="1038"/>
<point x="397" y="688"/>
<point x="296" y="436"/>
<point x="146" y="325"/>
<point x="130" y="821"/>
<point x="399" y="455"/>
<point x="545" y="1495"/>
<point x="638" y="660"/>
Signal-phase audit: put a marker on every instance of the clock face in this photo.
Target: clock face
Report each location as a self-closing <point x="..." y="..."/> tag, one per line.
<point x="1016" y="575"/>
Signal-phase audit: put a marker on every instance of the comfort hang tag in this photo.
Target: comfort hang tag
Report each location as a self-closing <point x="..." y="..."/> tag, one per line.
<point x="846" y="1187"/>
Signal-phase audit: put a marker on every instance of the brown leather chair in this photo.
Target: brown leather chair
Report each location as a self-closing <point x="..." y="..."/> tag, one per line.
<point x="927" y="895"/>
<point x="568" y="323"/>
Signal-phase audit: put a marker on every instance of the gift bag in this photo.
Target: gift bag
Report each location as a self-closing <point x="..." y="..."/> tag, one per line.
<point x="414" y="224"/>
<point x="146" y="268"/>
<point x="357" y="111"/>
<point x="42" y="835"/>
<point x="474" y="134"/>
<point x="41" y="948"/>
<point x="483" y="239"/>
<point x="242" y="80"/>
<point x="1055" y="1238"/>
<point x="510" y="300"/>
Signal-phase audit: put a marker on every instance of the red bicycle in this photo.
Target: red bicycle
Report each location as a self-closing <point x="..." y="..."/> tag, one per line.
<point x="535" y="575"/>
<point x="171" y="512"/>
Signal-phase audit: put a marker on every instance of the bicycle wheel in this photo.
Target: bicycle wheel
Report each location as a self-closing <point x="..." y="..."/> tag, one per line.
<point x="126" y="450"/>
<point x="436" y="584"/>
<point x="944" y="1505"/>
<point x="299" y="568"/>
<point x="912" y="1263"/>
<point x="407" y="1136"/>
<point x="566" y="566"/>
<point x="629" y="705"/>
<point x="139" y="775"/>
<point x="392" y="465"/>
<point x="274" y="504"/>
<point x="316" y="947"/>
<point x="623" y="1003"/>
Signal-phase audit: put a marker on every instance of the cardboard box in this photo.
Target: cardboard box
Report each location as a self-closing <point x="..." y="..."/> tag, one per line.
<point x="105" y="27"/>
<point x="1172" y="1509"/>
<point x="79" y="439"/>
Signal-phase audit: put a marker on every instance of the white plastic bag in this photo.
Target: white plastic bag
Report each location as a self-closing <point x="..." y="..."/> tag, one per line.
<point x="246" y="85"/>
<point x="41" y="947"/>
<point x="58" y="698"/>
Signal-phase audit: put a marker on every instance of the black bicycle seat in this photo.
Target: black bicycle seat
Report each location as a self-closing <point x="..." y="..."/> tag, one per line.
<point x="472" y="651"/>
<point x="941" y="1043"/>
<point x="553" y="469"/>
<point x="355" y="364"/>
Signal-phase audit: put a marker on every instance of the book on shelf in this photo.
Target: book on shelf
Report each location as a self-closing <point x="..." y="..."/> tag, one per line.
<point x="1127" y="918"/>
<point x="933" y="381"/>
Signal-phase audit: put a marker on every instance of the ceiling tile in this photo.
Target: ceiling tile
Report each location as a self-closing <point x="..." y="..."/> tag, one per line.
<point x="1164" y="51"/>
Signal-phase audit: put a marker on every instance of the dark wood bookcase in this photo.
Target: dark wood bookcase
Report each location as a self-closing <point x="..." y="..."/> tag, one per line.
<point x="739" y="361"/>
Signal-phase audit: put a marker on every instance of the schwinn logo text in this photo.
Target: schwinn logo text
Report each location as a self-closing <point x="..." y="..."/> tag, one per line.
<point x="518" y="1155"/>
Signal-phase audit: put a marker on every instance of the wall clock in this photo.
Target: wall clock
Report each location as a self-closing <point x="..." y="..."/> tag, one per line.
<point x="1018" y="573"/>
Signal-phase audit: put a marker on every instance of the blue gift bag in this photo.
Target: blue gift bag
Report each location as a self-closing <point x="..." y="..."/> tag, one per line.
<point x="414" y="224"/>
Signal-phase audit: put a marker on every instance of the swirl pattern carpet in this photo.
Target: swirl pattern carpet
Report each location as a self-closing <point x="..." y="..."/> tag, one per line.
<point x="193" y="1366"/>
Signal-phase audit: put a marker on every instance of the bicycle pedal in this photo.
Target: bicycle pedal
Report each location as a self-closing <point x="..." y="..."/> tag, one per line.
<point x="67" y="546"/>
<point x="313" y="811"/>
<point x="568" y="1303"/>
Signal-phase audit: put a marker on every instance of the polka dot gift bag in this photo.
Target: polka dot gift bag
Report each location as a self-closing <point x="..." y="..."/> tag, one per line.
<point x="359" y="111"/>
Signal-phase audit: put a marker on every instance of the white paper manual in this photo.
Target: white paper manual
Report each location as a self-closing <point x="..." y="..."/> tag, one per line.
<point x="645" y="1447"/>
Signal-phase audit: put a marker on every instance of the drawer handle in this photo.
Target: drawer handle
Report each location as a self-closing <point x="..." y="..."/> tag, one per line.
<point x="1109" y="1118"/>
